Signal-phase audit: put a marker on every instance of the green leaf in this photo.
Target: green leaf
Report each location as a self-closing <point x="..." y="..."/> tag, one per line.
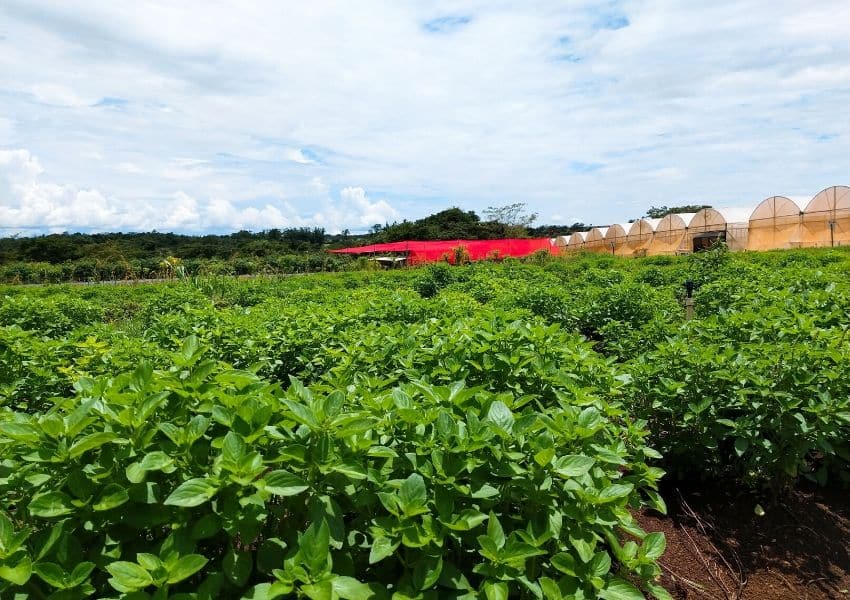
<point x="614" y="492"/>
<point x="282" y="483"/>
<point x="349" y="588"/>
<point x="16" y="569"/>
<point x="237" y="566"/>
<point x="427" y="571"/>
<point x="620" y="589"/>
<point x="156" y="461"/>
<point x="659" y="592"/>
<point x="20" y="432"/>
<point x="51" y="504"/>
<point x="193" y="492"/>
<point x="233" y="448"/>
<point x="301" y="414"/>
<point x="51" y="573"/>
<point x="314" y="546"/>
<point x="80" y="573"/>
<point x="495" y="531"/>
<point x="600" y="564"/>
<point x="654" y="545"/>
<point x="351" y="470"/>
<point x="741" y="445"/>
<point x="496" y="590"/>
<point x="573" y="465"/>
<point x="412" y="495"/>
<point x="584" y="543"/>
<point x="500" y="415"/>
<point x="113" y="495"/>
<point x="90" y="442"/>
<point x="565" y="563"/>
<point x="381" y="548"/>
<point x="185" y="567"/>
<point x="128" y="577"/>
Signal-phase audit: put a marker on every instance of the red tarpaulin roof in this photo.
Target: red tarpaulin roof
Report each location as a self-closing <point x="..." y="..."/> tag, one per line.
<point x="419" y="252"/>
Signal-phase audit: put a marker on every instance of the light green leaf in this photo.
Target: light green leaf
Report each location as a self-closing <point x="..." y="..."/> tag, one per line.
<point x="20" y="432"/>
<point x="412" y="495"/>
<point x="349" y="588"/>
<point x="282" y="483"/>
<point x="16" y="569"/>
<point x="351" y="470"/>
<point x="113" y="495"/>
<point x="90" y="442"/>
<point x="128" y="577"/>
<point x="51" y="504"/>
<point x="654" y="545"/>
<point x="193" y="492"/>
<point x="496" y="590"/>
<point x="600" y="564"/>
<point x="51" y="573"/>
<point x="573" y="465"/>
<point x="614" y="492"/>
<point x="500" y="415"/>
<point x="620" y="589"/>
<point x="314" y="546"/>
<point x="186" y="566"/>
<point x="495" y="531"/>
<point x="381" y="548"/>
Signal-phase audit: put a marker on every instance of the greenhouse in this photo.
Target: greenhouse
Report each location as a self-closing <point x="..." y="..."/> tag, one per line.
<point x="671" y="234"/>
<point x="576" y="241"/>
<point x="711" y="225"/>
<point x="826" y="219"/>
<point x="616" y="238"/>
<point x="640" y="236"/>
<point x="775" y="223"/>
<point x="595" y="240"/>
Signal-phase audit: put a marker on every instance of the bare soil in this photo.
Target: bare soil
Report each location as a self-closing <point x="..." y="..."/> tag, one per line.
<point x="718" y="548"/>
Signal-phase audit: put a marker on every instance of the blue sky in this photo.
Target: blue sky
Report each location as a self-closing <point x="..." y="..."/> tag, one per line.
<point x="218" y="116"/>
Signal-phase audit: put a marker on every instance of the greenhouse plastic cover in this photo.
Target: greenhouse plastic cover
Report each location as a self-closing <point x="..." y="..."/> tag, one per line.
<point x="423" y="252"/>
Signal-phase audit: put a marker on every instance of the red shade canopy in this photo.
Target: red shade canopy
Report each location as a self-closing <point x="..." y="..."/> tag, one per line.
<point x="424" y="252"/>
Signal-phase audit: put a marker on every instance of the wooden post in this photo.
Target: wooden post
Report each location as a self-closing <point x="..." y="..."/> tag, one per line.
<point x="689" y="308"/>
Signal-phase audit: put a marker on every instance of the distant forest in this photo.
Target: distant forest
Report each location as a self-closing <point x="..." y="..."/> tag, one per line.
<point x="117" y="256"/>
<point x="453" y="223"/>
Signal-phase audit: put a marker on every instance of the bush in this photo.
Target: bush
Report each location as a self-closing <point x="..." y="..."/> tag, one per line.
<point x="203" y="482"/>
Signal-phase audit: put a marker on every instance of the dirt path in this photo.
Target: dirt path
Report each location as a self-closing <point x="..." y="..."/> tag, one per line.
<point x="718" y="548"/>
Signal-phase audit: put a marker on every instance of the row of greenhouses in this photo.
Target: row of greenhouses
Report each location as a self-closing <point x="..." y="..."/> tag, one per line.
<point x="776" y="222"/>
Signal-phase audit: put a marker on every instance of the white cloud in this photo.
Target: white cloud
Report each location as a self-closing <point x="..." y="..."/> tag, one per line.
<point x="32" y="204"/>
<point x="273" y="110"/>
<point x="129" y="168"/>
<point x="297" y="155"/>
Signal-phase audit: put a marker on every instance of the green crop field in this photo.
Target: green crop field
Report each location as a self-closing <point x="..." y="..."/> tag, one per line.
<point x="485" y="431"/>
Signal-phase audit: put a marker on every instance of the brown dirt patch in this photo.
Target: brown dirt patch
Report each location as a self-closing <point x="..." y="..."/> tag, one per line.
<point x="719" y="549"/>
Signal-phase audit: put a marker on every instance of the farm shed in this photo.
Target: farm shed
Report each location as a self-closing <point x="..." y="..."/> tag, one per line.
<point x="826" y="218"/>
<point x="615" y="238"/>
<point x="775" y="223"/>
<point x="595" y="240"/>
<point x="671" y="234"/>
<point x="418" y="252"/>
<point x="562" y="241"/>
<point x="709" y="225"/>
<point x="640" y="235"/>
<point x="576" y="241"/>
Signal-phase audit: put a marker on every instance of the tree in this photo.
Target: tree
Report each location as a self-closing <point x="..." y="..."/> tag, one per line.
<point x="513" y="217"/>
<point x="658" y="212"/>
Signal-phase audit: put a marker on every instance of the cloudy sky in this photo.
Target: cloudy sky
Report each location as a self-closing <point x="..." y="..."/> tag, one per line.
<point x="220" y="115"/>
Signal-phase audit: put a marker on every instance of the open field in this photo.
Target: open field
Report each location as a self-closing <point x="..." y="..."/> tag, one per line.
<point x="496" y="430"/>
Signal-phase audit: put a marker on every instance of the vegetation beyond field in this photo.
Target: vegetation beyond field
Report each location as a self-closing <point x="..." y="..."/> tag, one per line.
<point x="484" y="431"/>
